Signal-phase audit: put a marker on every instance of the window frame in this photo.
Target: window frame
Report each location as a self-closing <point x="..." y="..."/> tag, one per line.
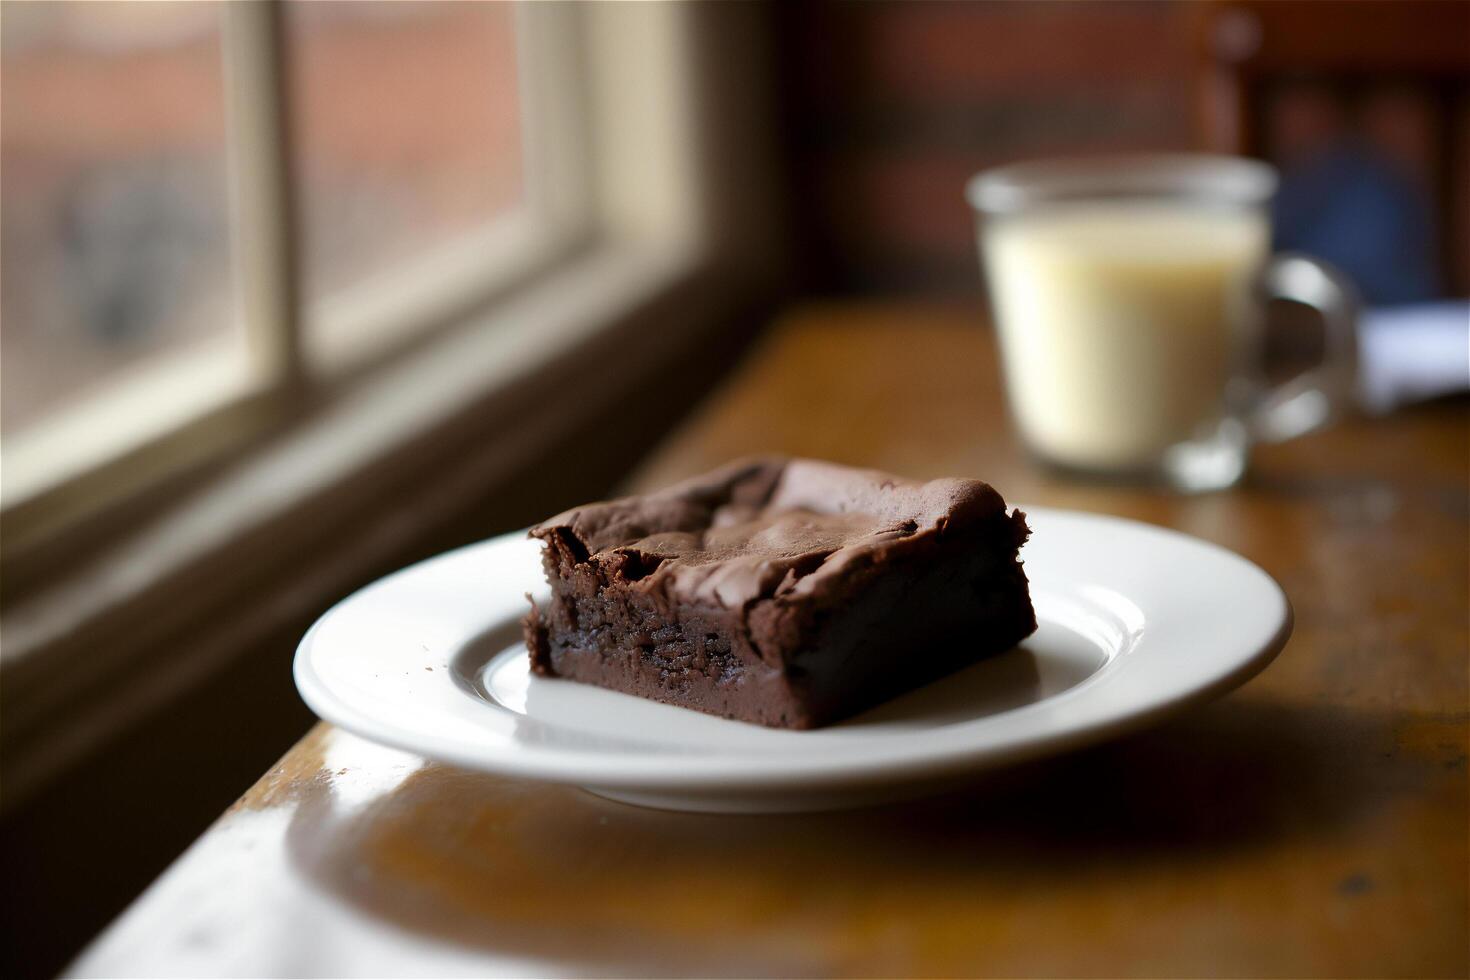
<point x="182" y="409"/>
<point x="212" y="558"/>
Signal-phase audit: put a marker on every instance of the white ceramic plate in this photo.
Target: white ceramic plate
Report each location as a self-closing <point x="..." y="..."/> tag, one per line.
<point x="1135" y="621"/>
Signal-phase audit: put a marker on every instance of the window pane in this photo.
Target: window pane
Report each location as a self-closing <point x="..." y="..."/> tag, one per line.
<point x="115" y="248"/>
<point x="407" y="130"/>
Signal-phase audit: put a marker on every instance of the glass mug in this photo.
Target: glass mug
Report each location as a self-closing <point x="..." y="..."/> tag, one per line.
<point x="1129" y="294"/>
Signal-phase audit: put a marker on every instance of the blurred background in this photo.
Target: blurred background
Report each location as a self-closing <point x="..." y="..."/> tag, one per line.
<point x="264" y="266"/>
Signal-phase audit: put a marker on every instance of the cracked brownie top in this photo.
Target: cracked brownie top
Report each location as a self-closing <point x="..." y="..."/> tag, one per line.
<point x="767" y="528"/>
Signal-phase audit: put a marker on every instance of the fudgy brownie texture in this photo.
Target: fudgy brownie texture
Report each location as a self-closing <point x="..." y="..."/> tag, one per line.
<point x="791" y="593"/>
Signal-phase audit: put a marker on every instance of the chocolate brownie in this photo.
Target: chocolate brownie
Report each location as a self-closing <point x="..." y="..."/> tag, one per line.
<point x="791" y="593"/>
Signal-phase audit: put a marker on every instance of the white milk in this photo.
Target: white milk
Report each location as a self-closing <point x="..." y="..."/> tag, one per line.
<point x="1120" y="323"/>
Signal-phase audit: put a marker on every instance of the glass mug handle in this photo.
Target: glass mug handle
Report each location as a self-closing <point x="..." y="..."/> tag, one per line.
<point x="1320" y="394"/>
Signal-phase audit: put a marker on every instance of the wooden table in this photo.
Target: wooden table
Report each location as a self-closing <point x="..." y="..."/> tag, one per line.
<point x="1312" y="823"/>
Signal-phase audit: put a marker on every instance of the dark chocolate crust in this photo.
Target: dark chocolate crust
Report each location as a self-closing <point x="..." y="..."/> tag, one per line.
<point x="791" y="593"/>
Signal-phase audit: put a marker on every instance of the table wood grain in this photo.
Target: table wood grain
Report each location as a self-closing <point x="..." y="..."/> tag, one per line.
<point x="1314" y="823"/>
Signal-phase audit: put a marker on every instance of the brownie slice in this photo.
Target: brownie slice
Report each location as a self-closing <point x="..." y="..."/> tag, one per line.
<point x="790" y="593"/>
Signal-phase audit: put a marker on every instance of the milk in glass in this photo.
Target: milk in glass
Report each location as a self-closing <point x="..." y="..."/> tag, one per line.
<point x="1121" y="322"/>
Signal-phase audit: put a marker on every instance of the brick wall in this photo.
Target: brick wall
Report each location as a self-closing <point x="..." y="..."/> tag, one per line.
<point x="892" y="106"/>
<point x="889" y="107"/>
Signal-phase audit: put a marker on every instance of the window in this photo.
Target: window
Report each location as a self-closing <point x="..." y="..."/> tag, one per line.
<point x="116" y="260"/>
<point x="411" y="169"/>
<point x="210" y="207"/>
<point x="575" y="198"/>
<point x="406" y="131"/>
